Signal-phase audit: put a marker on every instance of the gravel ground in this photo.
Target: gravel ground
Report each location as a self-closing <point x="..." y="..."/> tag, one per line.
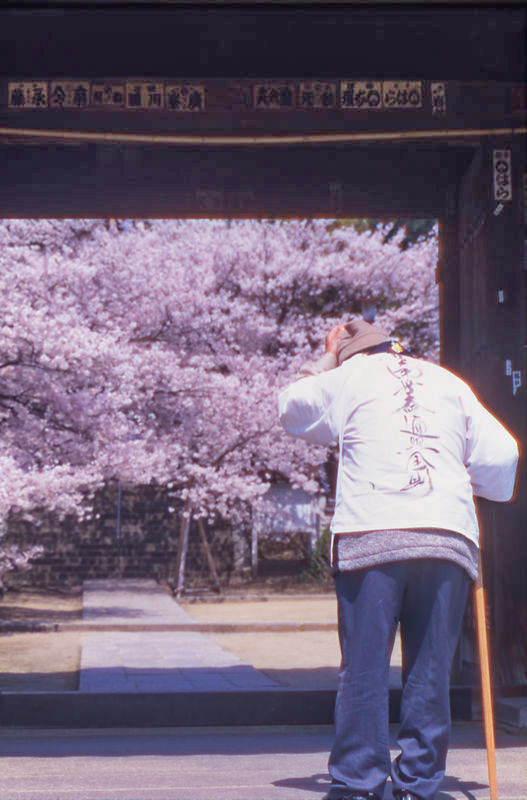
<point x="40" y="661"/>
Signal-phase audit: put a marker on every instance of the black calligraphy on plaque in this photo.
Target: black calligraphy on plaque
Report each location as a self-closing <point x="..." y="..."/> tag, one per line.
<point x="148" y="95"/>
<point x="58" y="96"/>
<point x="38" y="97"/>
<point x="80" y="96"/>
<point x="317" y="94"/>
<point x="69" y="94"/>
<point x="502" y="175"/>
<point x="402" y="94"/>
<point x="438" y="95"/>
<point x="27" y="94"/>
<point x="195" y="101"/>
<point x="274" y="96"/>
<point x="361" y="94"/>
<point x="133" y="99"/>
<point x="328" y="97"/>
<point x="307" y="98"/>
<point x="174" y="99"/>
<point x="108" y="95"/>
<point x="155" y="97"/>
<point x="261" y="98"/>
<point x="16" y="97"/>
<point x="181" y="97"/>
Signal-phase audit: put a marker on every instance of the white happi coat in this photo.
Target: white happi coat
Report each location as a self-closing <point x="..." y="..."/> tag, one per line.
<point x="415" y="443"/>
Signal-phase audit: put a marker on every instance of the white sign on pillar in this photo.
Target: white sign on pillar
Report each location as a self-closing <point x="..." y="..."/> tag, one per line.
<point x="502" y="170"/>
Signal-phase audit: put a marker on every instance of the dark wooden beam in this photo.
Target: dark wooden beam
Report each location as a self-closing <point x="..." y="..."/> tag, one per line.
<point x="318" y="40"/>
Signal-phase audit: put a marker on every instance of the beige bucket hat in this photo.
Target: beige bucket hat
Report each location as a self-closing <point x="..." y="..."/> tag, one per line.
<point x="357" y="336"/>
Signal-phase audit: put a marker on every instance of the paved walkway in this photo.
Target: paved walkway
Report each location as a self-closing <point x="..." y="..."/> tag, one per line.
<point x="147" y="661"/>
<point x="152" y="659"/>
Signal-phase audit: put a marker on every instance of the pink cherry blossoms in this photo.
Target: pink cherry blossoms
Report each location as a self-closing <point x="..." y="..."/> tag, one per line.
<point x="155" y="354"/>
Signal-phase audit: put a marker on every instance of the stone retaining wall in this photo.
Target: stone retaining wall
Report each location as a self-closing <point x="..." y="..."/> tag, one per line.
<point x="140" y="542"/>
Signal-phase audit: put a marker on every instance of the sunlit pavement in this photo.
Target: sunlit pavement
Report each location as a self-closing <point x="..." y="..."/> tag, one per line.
<point x="138" y="639"/>
<point x="258" y="763"/>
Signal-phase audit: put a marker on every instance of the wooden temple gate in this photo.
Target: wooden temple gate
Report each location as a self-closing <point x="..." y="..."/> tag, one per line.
<point x="293" y="111"/>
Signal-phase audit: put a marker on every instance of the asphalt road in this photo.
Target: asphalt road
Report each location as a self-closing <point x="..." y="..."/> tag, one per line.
<point x="272" y="763"/>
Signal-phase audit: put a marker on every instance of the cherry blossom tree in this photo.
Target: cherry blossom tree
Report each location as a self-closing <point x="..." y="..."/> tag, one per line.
<point x="153" y="351"/>
<point x="13" y="559"/>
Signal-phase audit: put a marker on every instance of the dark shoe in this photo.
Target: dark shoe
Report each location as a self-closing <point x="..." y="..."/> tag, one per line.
<point x="349" y="794"/>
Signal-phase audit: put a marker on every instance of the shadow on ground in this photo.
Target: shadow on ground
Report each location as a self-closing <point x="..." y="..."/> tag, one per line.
<point x="321" y="782"/>
<point x="39" y="681"/>
<point x="28" y="613"/>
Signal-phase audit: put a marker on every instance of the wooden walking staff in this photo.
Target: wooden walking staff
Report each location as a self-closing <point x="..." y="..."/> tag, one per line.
<point x="486" y="689"/>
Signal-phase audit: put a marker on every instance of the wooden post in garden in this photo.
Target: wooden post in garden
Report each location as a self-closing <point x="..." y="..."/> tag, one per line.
<point x="254" y="551"/>
<point x="184" y="534"/>
<point x="184" y="531"/>
<point x="208" y="554"/>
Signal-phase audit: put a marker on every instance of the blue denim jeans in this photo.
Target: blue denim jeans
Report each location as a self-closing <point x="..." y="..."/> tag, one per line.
<point x="428" y="598"/>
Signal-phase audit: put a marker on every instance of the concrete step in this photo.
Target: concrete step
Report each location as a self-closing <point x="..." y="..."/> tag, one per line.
<point x="512" y="711"/>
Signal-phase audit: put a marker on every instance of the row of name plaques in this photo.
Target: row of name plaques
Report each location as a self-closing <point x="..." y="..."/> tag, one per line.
<point x="193" y="97"/>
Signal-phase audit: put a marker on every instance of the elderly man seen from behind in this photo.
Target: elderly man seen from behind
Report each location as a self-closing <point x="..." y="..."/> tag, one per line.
<point x="415" y="446"/>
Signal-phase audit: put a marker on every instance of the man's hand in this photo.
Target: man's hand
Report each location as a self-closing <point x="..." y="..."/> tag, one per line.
<point x="332" y="339"/>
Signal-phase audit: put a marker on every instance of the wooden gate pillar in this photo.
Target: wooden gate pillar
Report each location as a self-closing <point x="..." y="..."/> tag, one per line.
<point x="490" y="353"/>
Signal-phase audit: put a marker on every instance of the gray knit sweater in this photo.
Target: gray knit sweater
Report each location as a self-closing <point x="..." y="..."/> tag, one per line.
<point x="359" y="550"/>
